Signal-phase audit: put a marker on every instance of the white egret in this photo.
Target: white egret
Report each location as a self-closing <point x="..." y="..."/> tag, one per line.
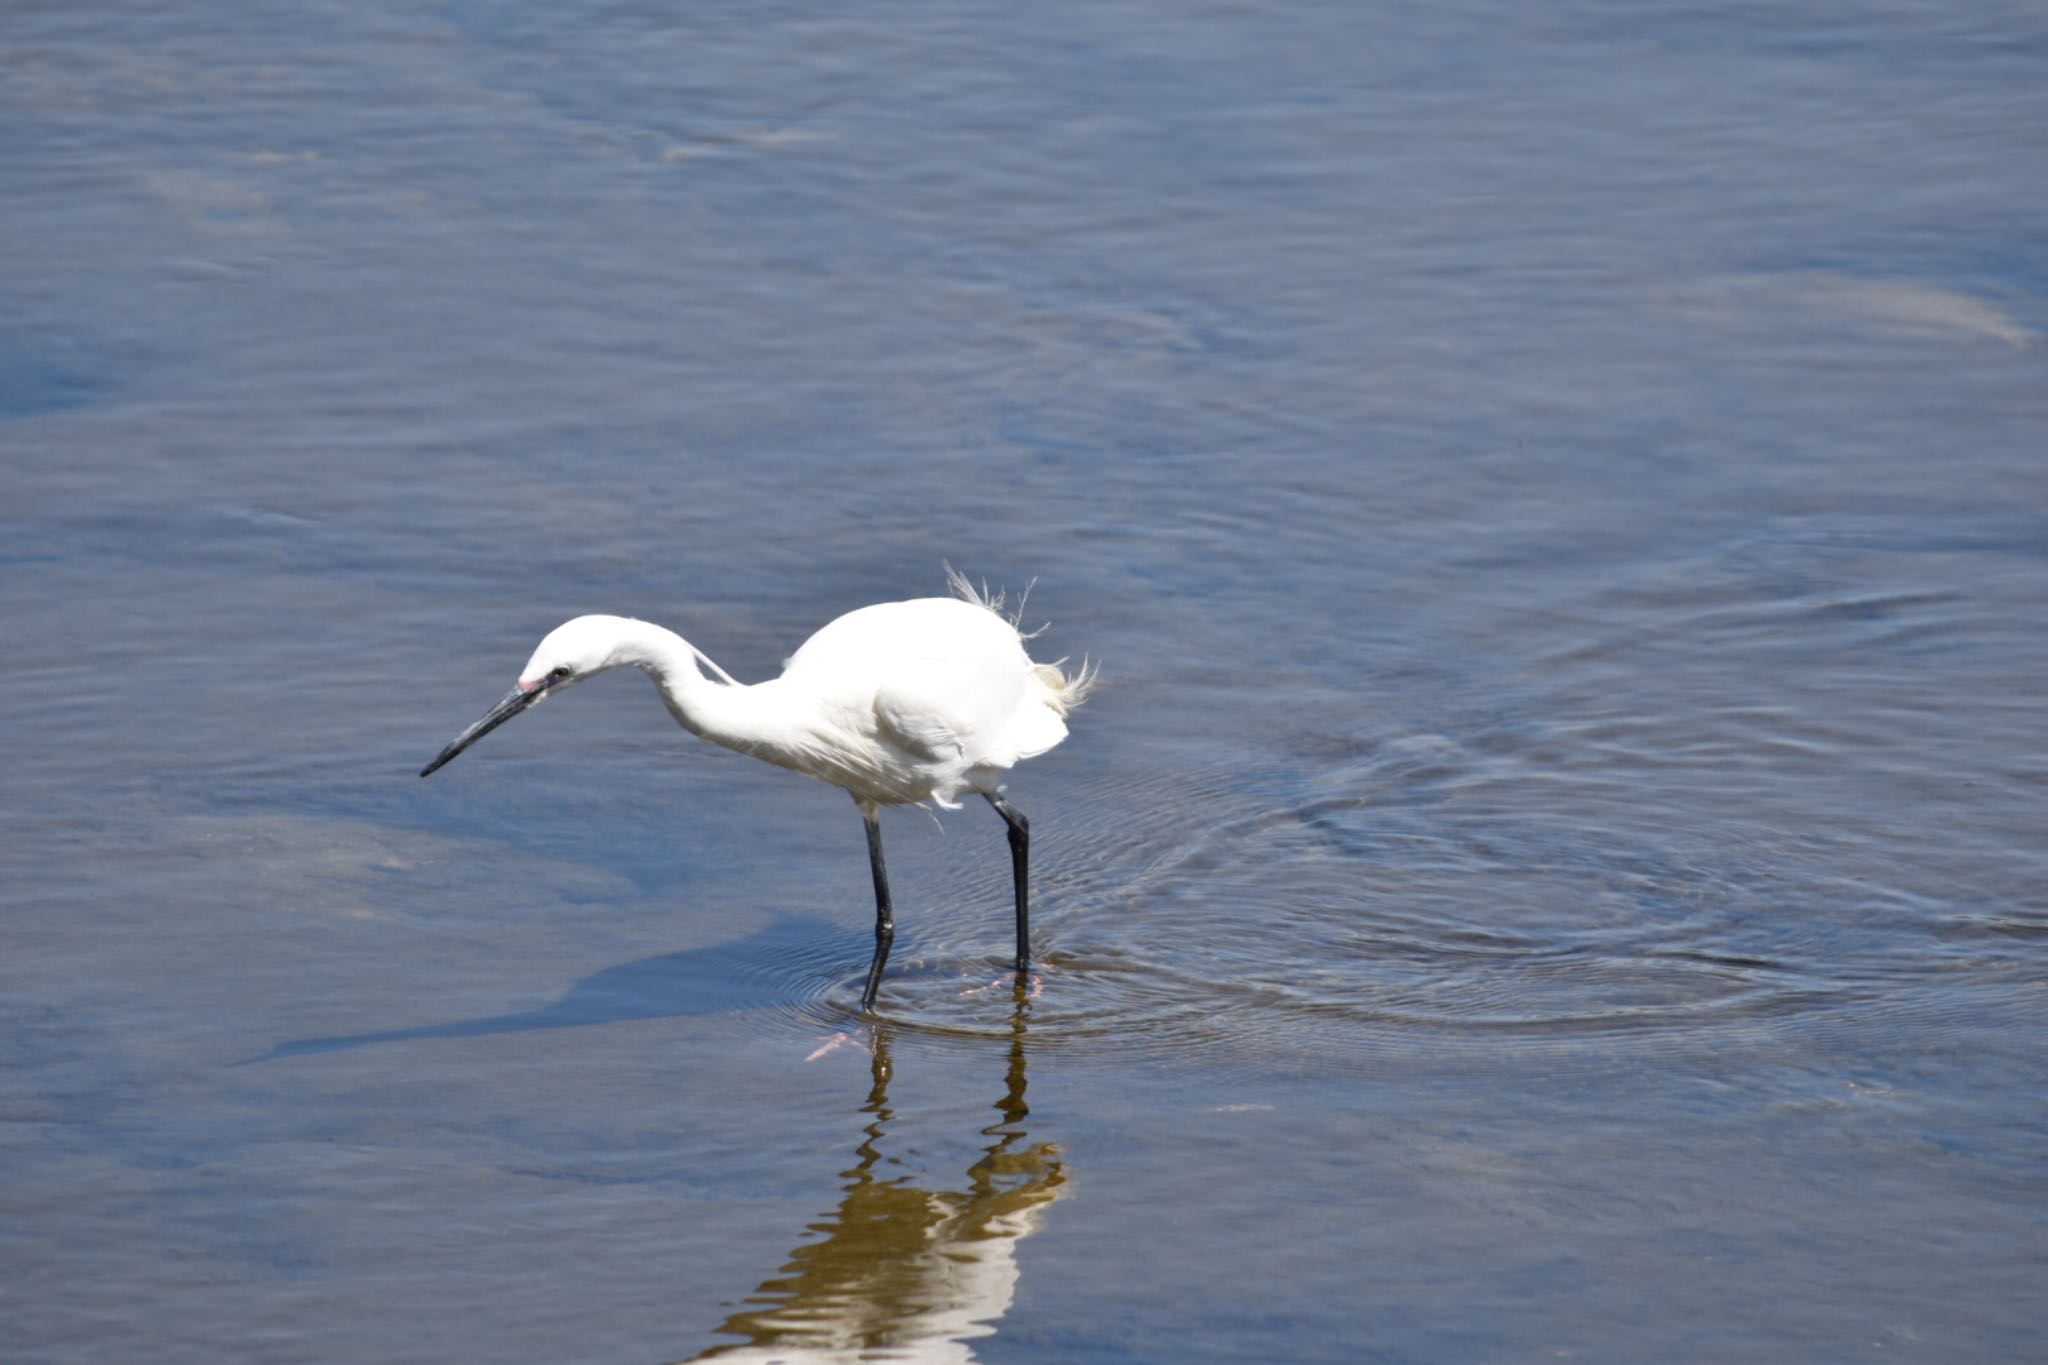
<point x="896" y="704"/>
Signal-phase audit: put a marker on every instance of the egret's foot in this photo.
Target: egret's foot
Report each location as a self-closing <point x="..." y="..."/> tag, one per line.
<point x="1033" y="985"/>
<point x="856" y="1037"/>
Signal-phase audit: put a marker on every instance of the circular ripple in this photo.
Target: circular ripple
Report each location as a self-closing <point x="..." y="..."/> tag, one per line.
<point x="1257" y="917"/>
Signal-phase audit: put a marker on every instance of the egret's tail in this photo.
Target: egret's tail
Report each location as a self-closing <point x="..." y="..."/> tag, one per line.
<point x="1064" y="690"/>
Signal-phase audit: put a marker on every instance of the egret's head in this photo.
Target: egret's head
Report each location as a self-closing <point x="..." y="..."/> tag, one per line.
<point x="571" y="652"/>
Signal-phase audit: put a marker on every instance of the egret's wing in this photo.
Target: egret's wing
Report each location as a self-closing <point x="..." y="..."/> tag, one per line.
<point x="922" y="716"/>
<point x="948" y="681"/>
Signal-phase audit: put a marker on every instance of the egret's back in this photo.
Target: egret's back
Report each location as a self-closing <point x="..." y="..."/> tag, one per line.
<point x="942" y="683"/>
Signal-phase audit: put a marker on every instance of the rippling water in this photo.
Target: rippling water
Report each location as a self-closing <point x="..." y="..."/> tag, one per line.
<point x="1553" y="869"/>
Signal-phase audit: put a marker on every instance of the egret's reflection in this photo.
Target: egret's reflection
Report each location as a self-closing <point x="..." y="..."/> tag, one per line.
<point x="901" y="1272"/>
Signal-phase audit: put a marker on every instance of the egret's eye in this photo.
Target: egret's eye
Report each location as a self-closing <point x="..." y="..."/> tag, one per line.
<point x="556" y="675"/>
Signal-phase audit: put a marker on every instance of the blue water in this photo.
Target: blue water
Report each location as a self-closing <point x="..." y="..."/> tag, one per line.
<point x="1553" y="869"/>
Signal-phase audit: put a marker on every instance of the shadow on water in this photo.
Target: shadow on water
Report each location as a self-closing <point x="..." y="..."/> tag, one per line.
<point x="900" y="1271"/>
<point x="786" y="961"/>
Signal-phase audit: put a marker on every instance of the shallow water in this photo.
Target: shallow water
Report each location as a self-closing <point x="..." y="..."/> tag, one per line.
<point x="1553" y="869"/>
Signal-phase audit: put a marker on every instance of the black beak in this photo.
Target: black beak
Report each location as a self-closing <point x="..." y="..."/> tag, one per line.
<point x="515" y="702"/>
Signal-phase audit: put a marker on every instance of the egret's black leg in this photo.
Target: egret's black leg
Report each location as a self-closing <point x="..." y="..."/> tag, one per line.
<point x="1020" y="872"/>
<point x="885" y="919"/>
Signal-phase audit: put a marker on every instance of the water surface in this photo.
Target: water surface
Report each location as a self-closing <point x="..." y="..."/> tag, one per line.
<point x="1554" y="867"/>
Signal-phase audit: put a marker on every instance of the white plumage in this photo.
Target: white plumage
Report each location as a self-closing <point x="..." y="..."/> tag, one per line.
<point x="902" y="702"/>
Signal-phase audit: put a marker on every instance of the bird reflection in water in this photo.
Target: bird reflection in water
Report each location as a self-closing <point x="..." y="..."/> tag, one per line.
<point x="902" y="1272"/>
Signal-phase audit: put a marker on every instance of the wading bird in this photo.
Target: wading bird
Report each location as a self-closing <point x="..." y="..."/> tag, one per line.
<point x="896" y="704"/>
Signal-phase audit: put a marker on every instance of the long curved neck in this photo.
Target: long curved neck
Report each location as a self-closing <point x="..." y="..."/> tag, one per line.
<point x="717" y="708"/>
